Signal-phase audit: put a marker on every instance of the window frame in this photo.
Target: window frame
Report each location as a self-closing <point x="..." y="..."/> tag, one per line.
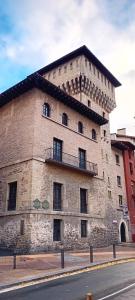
<point x="57" y="238"/>
<point x="46" y="110"/>
<point x="57" y="196"/>
<point x="94" y="134"/>
<point x="80" y="127"/>
<point x="64" y="119"/>
<point x="117" y="159"/>
<point x="11" y="205"/>
<point x="82" y="162"/>
<point x="83" y="201"/>
<point x="84" y="228"/>
<point x="119" y="180"/>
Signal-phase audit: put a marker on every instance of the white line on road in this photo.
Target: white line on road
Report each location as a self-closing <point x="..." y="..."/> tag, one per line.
<point x="118" y="292"/>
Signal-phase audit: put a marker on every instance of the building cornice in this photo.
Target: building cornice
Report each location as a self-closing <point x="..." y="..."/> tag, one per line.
<point x="37" y="81"/>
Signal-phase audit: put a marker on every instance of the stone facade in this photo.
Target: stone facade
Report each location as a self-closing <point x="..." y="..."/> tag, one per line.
<point x="27" y="134"/>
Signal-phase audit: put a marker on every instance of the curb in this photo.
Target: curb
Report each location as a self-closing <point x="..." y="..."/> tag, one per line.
<point x="65" y="273"/>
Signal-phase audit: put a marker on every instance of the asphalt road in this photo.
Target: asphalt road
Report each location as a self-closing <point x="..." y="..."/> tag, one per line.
<point x="101" y="283"/>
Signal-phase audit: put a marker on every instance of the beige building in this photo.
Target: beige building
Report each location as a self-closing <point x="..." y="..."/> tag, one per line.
<point x="58" y="171"/>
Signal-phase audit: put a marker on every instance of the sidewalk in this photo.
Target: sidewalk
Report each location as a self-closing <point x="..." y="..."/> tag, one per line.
<point x="34" y="267"/>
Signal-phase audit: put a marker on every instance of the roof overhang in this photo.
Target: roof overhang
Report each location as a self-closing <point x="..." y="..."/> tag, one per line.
<point x="119" y="145"/>
<point x="78" y="52"/>
<point x="37" y="81"/>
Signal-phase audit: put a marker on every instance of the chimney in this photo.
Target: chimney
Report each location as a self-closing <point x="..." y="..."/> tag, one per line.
<point x="121" y="131"/>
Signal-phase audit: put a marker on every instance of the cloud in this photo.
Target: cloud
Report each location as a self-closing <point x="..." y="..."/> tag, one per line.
<point x="42" y="31"/>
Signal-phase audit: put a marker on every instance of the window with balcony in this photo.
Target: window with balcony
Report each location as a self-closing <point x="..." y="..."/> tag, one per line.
<point x="57" y="229"/>
<point x="82" y="158"/>
<point x="46" y="110"/>
<point x="57" y="196"/>
<point x="119" y="180"/>
<point x="94" y="134"/>
<point x="83" y="228"/>
<point x="57" y="149"/>
<point x="65" y="119"/>
<point x="80" y="127"/>
<point x="83" y="201"/>
<point x="12" y="195"/>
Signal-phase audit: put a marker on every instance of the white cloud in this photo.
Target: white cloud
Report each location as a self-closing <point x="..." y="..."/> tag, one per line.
<point x="50" y="29"/>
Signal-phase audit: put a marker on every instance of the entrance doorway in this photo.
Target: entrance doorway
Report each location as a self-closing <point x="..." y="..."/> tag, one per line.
<point x="123" y="233"/>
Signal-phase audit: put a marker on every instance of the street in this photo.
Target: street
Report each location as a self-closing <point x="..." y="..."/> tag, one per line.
<point x="100" y="282"/>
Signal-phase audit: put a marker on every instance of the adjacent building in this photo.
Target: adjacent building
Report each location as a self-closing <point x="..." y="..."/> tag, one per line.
<point x="127" y="144"/>
<point x="60" y="181"/>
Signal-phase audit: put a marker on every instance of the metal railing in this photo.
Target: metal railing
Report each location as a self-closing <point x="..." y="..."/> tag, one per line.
<point x="70" y="161"/>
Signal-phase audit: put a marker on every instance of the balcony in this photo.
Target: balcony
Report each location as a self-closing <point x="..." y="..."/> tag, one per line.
<point x="70" y="161"/>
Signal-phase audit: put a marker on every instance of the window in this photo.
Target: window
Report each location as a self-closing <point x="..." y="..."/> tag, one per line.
<point x="57" y="230"/>
<point x="118" y="180"/>
<point x="117" y="159"/>
<point x="57" y="149"/>
<point x="80" y="127"/>
<point x="82" y="159"/>
<point x="131" y="168"/>
<point x="104" y="132"/>
<point x="109" y="194"/>
<point x="94" y="135"/>
<point x="65" y="119"/>
<point x="46" y="110"/>
<point x="54" y="73"/>
<point x="109" y="183"/>
<point x="71" y="66"/>
<point x="83" y="201"/>
<point x="120" y="200"/>
<point x="12" y="195"/>
<point x="133" y="188"/>
<point x="83" y="228"/>
<point x="57" y="196"/>
<point x="106" y="157"/>
<point x="65" y="69"/>
<point x="89" y="103"/>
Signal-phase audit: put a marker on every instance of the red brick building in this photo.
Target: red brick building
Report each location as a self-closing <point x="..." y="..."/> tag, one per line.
<point x="128" y="146"/>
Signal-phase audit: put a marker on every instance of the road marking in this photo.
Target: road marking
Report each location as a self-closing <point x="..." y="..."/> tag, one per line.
<point x="67" y="274"/>
<point x="118" y="292"/>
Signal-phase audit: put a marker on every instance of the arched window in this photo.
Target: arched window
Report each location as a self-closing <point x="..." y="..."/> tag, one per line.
<point x="65" y="119"/>
<point x="46" y="110"/>
<point x="94" y="135"/>
<point x="80" y="127"/>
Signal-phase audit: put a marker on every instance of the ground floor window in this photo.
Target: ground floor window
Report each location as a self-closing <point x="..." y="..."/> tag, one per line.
<point x="83" y="228"/>
<point x="57" y="230"/>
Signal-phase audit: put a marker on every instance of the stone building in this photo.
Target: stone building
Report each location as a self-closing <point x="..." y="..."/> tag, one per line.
<point x="58" y="174"/>
<point x="126" y="143"/>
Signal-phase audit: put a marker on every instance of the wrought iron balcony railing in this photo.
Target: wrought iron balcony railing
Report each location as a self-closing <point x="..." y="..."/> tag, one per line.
<point x="70" y="161"/>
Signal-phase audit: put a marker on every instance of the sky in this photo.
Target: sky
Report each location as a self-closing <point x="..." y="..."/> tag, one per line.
<point x="35" y="33"/>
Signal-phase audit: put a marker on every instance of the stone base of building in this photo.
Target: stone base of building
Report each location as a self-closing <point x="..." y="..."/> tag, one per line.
<point x="33" y="232"/>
